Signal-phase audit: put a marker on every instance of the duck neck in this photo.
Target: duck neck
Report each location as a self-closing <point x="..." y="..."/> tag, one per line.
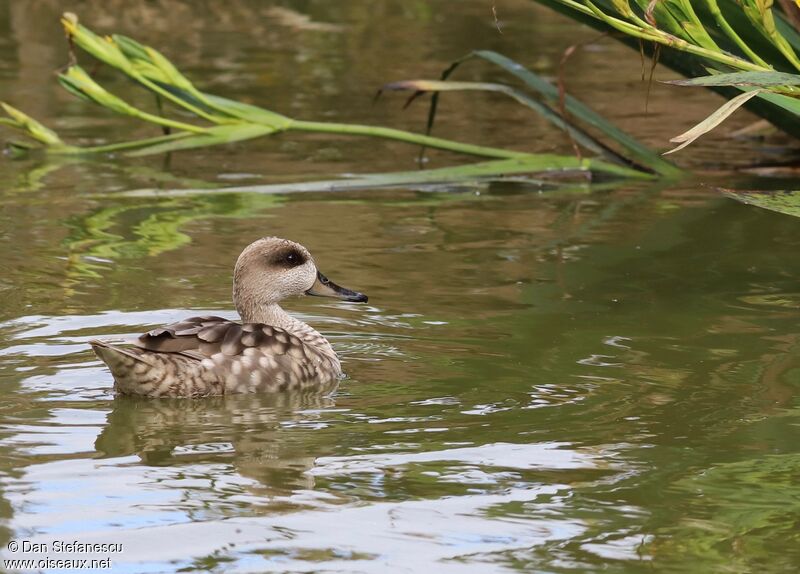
<point x="271" y="314"/>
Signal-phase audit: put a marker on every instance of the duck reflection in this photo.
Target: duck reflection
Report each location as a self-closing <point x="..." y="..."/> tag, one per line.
<point x="264" y="437"/>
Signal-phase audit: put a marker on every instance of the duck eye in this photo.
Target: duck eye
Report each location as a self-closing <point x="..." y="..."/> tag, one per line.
<point x="287" y="259"/>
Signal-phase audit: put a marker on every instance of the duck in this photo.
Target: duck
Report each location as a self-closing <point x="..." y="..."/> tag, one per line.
<point x="267" y="351"/>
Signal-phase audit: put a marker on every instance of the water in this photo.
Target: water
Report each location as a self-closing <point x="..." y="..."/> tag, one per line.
<point x="554" y="382"/>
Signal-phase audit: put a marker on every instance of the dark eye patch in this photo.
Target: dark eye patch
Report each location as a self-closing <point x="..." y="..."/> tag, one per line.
<point x="287" y="258"/>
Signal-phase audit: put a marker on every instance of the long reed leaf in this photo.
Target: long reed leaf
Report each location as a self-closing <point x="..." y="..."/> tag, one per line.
<point x="579" y="135"/>
<point x="761" y="79"/>
<point x="497" y="170"/>
<point x="33" y="128"/>
<point x="638" y="153"/>
<point x="216" y="135"/>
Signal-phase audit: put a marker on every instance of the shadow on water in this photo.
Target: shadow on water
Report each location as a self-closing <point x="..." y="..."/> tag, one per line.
<point x="244" y="430"/>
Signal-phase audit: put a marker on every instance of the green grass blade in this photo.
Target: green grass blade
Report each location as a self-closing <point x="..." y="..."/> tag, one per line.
<point x="759" y="79"/>
<point x="214" y="136"/>
<point x="101" y="48"/>
<point x="78" y="82"/>
<point x="30" y="126"/>
<point x="495" y="170"/>
<point x="791" y="105"/>
<point x="787" y="202"/>
<point x="532" y="164"/>
<point x="225" y="110"/>
<point x="249" y="112"/>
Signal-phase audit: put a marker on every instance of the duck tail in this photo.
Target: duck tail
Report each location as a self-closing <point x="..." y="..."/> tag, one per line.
<point x="128" y="365"/>
<point x="122" y="361"/>
<point x="142" y="372"/>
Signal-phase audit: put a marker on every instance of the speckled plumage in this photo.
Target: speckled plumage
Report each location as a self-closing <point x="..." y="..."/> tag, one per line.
<point x="269" y="352"/>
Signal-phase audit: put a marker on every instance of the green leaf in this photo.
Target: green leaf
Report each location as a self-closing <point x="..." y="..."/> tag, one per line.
<point x="213" y="136"/>
<point x="248" y="112"/>
<point x="496" y="170"/>
<point x="104" y="49"/>
<point x="787" y="202"/>
<point x="791" y="105"/>
<point x="130" y="47"/>
<point x="532" y="164"/>
<point x="30" y="126"/>
<point x="166" y="67"/>
<point x="624" y="9"/>
<point x="78" y="82"/>
<point x="760" y="79"/>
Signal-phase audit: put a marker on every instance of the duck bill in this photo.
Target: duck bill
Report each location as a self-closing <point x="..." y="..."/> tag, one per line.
<point x="324" y="287"/>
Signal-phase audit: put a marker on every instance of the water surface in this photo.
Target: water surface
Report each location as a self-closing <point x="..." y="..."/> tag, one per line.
<point x="595" y="378"/>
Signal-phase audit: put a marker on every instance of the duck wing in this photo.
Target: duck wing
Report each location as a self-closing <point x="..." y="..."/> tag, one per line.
<point x="209" y="336"/>
<point x="200" y="337"/>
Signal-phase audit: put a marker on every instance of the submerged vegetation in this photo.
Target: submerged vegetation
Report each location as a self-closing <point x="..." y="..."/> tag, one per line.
<point x="226" y="121"/>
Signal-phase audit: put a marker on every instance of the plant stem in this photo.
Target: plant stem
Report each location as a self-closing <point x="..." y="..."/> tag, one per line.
<point x="713" y="7"/>
<point x="409" y="137"/>
<point x="666" y="39"/>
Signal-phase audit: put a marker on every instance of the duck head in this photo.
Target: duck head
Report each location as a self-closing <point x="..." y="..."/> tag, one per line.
<point x="272" y="269"/>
